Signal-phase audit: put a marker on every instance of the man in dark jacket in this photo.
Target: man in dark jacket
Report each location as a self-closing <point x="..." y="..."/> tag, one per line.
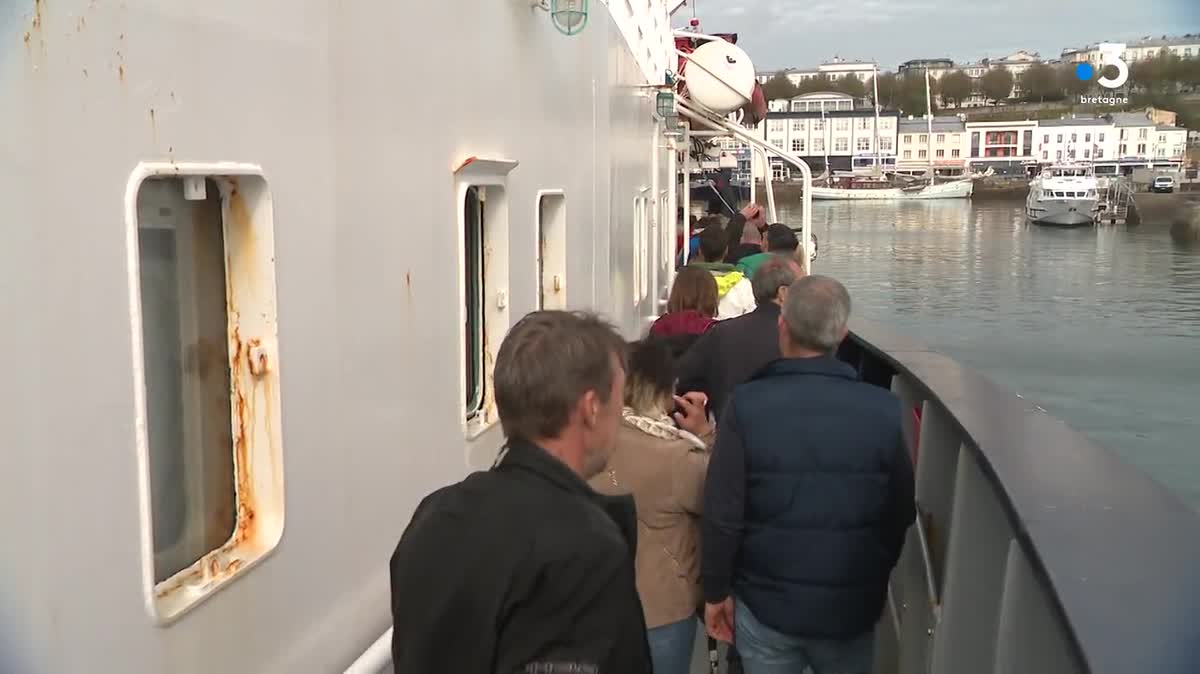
<point x="733" y="350"/>
<point x="524" y="568"/>
<point x="808" y="497"/>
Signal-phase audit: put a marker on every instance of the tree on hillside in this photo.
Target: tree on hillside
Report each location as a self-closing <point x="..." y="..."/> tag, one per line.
<point x="887" y="86"/>
<point x="779" y="86"/>
<point x="851" y="85"/>
<point x="1159" y="75"/>
<point x="813" y="84"/>
<point x="1187" y="72"/>
<point x="996" y="84"/>
<point x="1040" y="83"/>
<point x="1070" y="83"/>
<point x="955" y="88"/>
<point x="910" y="94"/>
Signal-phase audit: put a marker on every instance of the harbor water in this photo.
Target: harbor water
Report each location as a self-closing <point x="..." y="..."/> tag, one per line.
<point x="1099" y="326"/>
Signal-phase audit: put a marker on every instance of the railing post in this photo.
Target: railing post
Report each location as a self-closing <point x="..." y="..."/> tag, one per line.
<point x="1029" y="638"/>
<point x="965" y="641"/>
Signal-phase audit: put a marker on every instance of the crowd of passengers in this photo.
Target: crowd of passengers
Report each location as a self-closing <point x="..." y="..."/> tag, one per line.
<point x="727" y="469"/>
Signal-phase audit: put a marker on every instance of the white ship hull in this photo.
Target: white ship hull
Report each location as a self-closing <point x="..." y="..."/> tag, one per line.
<point x="954" y="190"/>
<point x="1062" y="212"/>
<point x="358" y="116"/>
<point x="1063" y="196"/>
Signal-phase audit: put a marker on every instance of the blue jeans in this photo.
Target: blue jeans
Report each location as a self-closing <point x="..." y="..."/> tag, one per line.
<point x="766" y="651"/>
<point x="672" y="646"/>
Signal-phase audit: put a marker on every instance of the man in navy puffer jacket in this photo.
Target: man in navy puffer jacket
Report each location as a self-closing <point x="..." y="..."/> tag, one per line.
<point x="807" y="502"/>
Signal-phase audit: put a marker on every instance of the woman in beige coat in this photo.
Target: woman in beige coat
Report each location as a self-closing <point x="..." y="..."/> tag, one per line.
<point x="663" y="466"/>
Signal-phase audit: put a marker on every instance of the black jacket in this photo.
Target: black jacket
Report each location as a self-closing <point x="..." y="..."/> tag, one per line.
<point x="729" y="354"/>
<point x="808" y="497"/>
<point x="518" y="567"/>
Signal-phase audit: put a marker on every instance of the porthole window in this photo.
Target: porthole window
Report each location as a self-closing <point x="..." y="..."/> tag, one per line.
<point x="206" y="388"/>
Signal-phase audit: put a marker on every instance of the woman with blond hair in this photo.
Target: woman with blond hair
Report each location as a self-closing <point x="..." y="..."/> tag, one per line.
<point x="662" y="462"/>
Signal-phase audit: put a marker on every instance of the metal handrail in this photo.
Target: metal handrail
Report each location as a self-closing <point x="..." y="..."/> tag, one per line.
<point x="805" y="170"/>
<point x="375" y="658"/>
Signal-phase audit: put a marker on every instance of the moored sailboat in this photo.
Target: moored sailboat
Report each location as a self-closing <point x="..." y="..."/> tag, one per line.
<point x="881" y="187"/>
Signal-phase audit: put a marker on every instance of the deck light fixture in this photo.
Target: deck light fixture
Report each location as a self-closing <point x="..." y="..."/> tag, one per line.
<point x="569" y="16"/>
<point x="665" y="104"/>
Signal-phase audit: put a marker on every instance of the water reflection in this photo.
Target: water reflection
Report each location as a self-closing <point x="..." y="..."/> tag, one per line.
<point x="1100" y="326"/>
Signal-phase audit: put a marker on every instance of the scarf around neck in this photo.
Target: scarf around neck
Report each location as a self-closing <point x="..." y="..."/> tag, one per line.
<point x="660" y="427"/>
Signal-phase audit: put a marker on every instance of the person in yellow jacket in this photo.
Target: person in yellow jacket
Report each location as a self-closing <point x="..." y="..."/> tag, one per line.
<point x="735" y="296"/>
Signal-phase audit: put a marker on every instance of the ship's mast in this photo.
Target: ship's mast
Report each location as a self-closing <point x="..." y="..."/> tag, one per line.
<point x="825" y="138"/>
<point x="875" y="100"/>
<point x="929" y="126"/>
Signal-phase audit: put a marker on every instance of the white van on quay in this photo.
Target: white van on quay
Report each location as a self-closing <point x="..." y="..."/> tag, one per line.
<point x="1163" y="184"/>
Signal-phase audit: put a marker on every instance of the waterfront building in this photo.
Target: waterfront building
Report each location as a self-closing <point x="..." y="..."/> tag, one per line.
<point x="947" y="145"/>
<point x="1005" y="147"/>
<point x="1141" y="143"/>
<point x="1075" y="139"/>
<point x="827" y="124"/>
<point x="1184" y="46"/>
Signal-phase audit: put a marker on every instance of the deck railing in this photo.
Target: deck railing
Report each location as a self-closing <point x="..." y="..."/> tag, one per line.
<point x="1036" y="551"/>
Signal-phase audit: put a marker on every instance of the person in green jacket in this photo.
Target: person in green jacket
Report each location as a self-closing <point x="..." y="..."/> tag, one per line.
<point x="781" y="240"/>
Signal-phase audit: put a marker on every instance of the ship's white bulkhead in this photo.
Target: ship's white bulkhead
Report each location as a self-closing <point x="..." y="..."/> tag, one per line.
<point x="256" y="264"/>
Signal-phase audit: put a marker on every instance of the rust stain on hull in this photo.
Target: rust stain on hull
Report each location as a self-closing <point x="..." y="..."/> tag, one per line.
<point x="252" y="403"/>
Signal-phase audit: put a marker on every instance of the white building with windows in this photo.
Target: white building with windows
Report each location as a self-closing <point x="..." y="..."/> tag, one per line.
<point x="946" y="146"/>
<point x="833" y="69"/>
<point x="1170" y="142"/>
<point x="827" y="124"/>
<point x="1184" y="46"/>
<point x="1136" y="133"/>
<point x="1075" y="139"/>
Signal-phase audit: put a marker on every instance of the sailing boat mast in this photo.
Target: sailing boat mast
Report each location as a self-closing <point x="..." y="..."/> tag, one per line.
<point x="875" y="100"/>
<point x="929" y="126"/>
<point x="825" y="138"/>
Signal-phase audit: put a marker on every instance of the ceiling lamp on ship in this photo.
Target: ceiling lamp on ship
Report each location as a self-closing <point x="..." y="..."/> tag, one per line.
<point x="568" y="16"/>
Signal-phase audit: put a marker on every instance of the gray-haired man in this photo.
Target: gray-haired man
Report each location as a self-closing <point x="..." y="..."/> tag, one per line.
<point x="807" y="500"/>
<point x="734" y="349"/>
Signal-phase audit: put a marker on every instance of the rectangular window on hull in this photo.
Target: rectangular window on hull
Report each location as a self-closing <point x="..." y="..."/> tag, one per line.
<point x="640" y="260"/>
<point x="206" y="378"/>
<point x="552" y="251"/>
<point x="181" y="264"/>
<point x="473" y="277"/>
<point x="481" y="219"/>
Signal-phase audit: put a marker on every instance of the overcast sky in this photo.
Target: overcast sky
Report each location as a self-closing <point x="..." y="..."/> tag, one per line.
<point x="802" y="33"/>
